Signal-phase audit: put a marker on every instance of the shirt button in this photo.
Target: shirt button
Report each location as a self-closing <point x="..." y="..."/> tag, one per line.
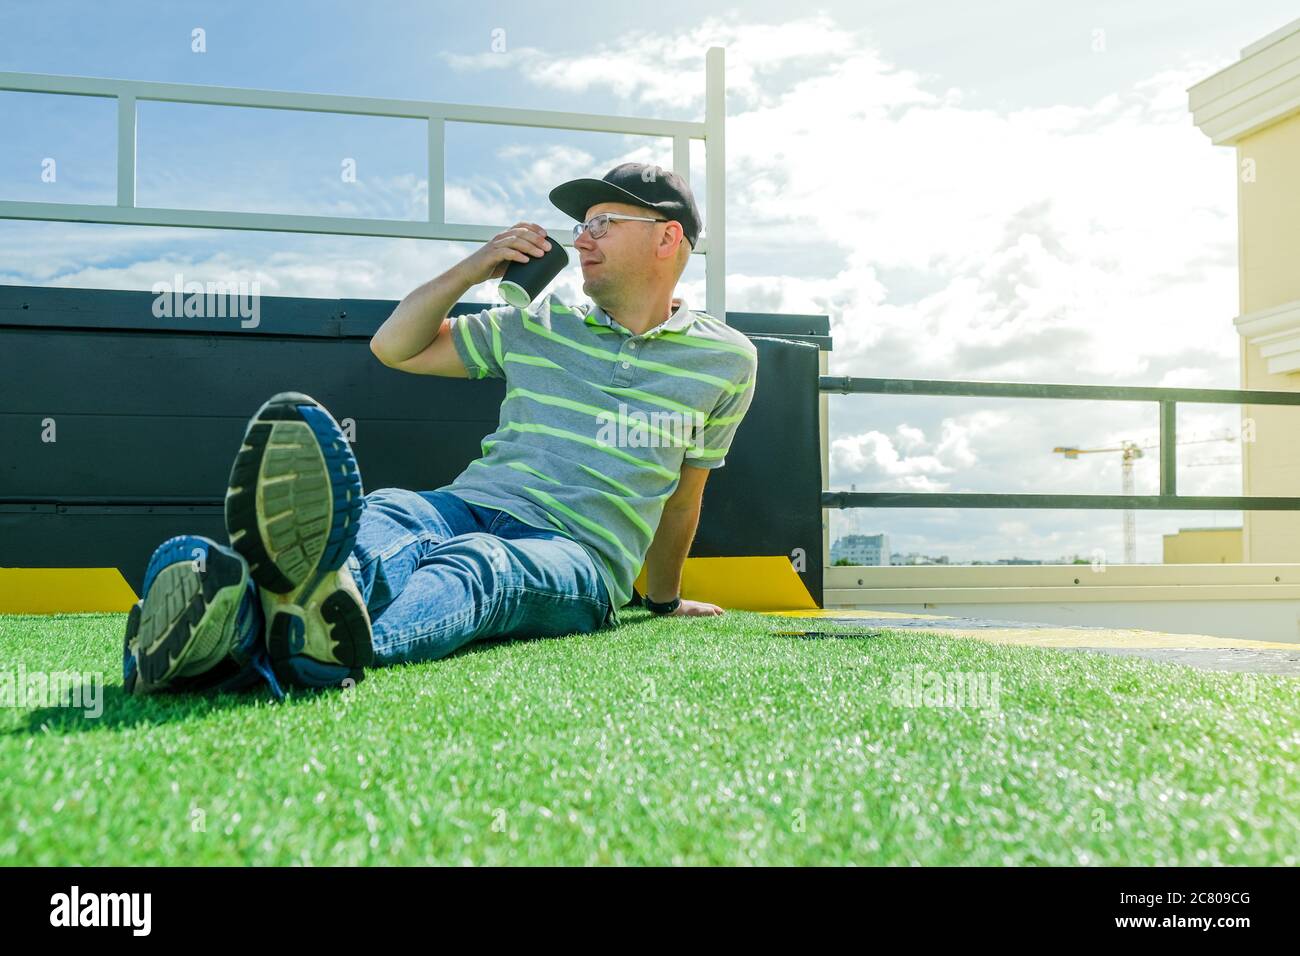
<point x="625" y="365"/>
<point x="631" y="345"/>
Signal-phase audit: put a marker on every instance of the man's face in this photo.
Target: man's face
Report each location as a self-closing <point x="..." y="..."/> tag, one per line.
<point x="623" y="258"/>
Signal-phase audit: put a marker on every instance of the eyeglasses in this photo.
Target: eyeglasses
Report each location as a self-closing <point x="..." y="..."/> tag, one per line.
<point x="599" y="225"/>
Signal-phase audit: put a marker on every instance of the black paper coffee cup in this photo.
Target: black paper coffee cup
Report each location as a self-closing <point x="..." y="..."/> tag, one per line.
<point x="523" y="282"/>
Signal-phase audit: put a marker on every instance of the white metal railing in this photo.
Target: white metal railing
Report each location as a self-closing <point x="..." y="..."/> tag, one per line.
<point x="130" y="92"/>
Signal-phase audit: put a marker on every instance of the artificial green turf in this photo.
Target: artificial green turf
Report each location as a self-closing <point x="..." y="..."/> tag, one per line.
<point x="660" y="742"/>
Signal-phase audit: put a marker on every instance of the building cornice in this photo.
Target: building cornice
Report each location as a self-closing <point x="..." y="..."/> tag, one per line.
<point x="1276" y="333"/>
<point x="1259" y="89"/>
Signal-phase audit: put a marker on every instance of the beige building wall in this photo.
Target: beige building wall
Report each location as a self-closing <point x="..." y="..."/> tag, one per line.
<point x="1269" y="259"/>
<point x="1254" y="106"/>
<point x="1203" y="546"/>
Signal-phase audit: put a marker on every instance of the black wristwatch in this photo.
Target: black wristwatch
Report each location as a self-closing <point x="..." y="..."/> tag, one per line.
<point x="665" y="608"/>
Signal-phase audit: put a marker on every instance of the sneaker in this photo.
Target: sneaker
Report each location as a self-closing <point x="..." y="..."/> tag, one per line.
<point x="198" y="624"/>
<point x="292" y="510"/>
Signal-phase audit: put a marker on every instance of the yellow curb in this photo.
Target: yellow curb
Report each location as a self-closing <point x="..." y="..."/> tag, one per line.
<point x="835" y="612"/>
<point x="63" y="590"/>
<point x="748" y="583"/>
<point x="1039" y="636"/>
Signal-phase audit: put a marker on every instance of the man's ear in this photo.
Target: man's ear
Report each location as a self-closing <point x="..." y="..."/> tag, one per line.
<point x="667" y="248"/>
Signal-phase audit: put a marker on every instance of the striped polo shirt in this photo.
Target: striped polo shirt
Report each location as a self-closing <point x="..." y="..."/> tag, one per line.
<point x="597" y="421"/>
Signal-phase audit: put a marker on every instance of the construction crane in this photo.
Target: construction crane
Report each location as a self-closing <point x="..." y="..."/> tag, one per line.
<point x="1131" y="452"/>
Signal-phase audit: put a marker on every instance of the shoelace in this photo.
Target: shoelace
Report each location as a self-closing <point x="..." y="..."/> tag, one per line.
<point x="261" y="662"/>
<point x="250" y="625"/>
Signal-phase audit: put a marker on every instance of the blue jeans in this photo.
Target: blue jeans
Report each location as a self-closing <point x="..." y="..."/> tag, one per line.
<point x="437" y="572"/>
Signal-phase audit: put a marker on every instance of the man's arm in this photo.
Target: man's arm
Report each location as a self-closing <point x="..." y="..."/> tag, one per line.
<point x="416" y="338"/>
<point x="672" y="543"/>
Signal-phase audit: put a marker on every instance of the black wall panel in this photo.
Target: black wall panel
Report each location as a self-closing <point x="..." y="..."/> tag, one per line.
<point x="149" y="413"/>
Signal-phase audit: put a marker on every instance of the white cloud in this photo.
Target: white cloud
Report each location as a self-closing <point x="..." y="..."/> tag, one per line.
<point x="908" y="461"/>
<point x="665" y="72"/>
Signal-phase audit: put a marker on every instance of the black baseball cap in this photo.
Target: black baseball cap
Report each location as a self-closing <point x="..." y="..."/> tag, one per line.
<point x="638" y="184"/>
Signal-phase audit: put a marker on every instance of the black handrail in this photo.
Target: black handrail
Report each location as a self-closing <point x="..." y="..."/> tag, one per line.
<point x="1167" y="398"/>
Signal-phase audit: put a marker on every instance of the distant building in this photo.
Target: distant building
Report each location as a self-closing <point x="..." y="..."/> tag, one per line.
<point x="868" y="549"/>
<point x="913" y="557"/>
<point x="1204" y="546"/>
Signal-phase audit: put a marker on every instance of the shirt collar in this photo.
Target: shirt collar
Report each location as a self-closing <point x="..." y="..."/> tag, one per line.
<point x="679" y="321"/>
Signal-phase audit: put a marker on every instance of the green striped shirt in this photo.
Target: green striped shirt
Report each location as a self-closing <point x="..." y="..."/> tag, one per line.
<point x="597" y="422"/>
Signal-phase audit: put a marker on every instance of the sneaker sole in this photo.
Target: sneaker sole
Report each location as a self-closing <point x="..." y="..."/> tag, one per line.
<point x="183" y="621"/>
<point x="292" y="510"/>
<point x="322" y="642"/>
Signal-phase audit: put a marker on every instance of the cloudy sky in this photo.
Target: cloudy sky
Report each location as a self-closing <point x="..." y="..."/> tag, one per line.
<point x="1004" y="192"/>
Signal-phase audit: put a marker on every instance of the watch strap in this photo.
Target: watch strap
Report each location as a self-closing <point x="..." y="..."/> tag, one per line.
<point x="667" y="607"/>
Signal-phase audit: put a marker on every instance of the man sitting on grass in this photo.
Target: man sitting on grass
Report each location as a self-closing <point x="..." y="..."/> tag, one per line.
<point x="585" y="479"/>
